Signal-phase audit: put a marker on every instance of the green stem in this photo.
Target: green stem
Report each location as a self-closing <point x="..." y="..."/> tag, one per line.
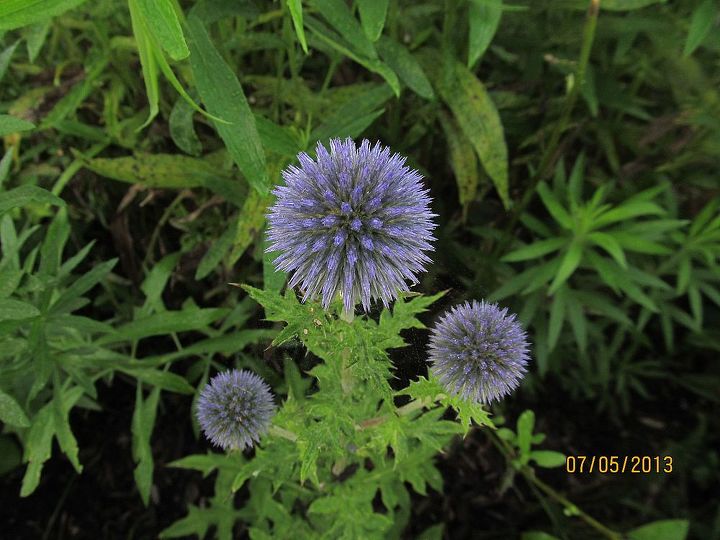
<point x="529" y="474"/>
<point x="549" y="156"/>
<point x="277" y="431"/>
<point x="406" y="409"/>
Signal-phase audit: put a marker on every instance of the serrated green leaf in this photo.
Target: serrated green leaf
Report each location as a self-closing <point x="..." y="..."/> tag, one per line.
<point x="11" y="412"/>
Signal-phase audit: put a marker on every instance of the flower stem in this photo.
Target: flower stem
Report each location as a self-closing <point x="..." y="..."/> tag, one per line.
<point x="406" y="409"/>
<point x="529" y="474"/>
<point x="277" y="431"/>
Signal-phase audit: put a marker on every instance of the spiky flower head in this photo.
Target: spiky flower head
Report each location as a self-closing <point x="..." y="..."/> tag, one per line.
<point x="235" y="408"/>
<point x="355" y="221"/>
<point x="479" y="351"/>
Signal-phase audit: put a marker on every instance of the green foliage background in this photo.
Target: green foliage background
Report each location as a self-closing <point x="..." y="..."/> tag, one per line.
<point x="572" y="151"/>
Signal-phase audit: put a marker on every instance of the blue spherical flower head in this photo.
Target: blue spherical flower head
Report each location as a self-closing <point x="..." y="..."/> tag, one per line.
<point x="355" y="221"/>
<point x="235" y="408"/>
<point x="479" y="351"/>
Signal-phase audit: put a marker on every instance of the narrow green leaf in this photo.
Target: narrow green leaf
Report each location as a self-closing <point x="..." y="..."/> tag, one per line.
<point x="27" y="194"/>
<point x="525" y="426"/>
<point x="182" y="130"/>
<point x="537" y="535"/>
<point x="484" y="19"/>
<point x="273" y="280"/>
<point x="11" y="412"/>
<point x="162" y="379"/>
<point x="578" y="322"/>
<point x="553" y="206"/>
<point x="17" y="13"/>
<point x="215" y="253"/>
<point x="402" y="62"/>
<point x="165" y="26"/>
<point x="143" y="422"/>
<point x="536" y="250"/>
<point x="83" y="284"/>
<point x="624" y="5"/>
<point x="343" y="121"/>
<point x="338" y="14"/>
<point x="628" y="210"/>
<point x="569" y="263"/>
<point x="250" y="222"/>
<point x="295" y="7"/>
<point x="557" y="316"/>
<point x="13" y="310"/>
<point x="462" y="160"/>
<point x="35" y="36"/>
<point x="372" y="17"/>
<point x="165" y="323"/>
<point x="221" y="92"/>
<point x="148" y="61"/>
<point x="277" y="138"/>
<point x="609" y="244"/>
<point x="10" y="124"/>
<point x="683" y="275"/>
<point x="548" y="458"/>
<point x="169" y="171"/>
<point x="5" y="57"/>
<point x="666" y="529"/>
<point x="696" y="305"/>
<point x="703" y="19"/>
<point x="336" y="42"/>
<point x="476" y="113"/>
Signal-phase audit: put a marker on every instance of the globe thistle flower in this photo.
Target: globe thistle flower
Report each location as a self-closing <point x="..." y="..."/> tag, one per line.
<point x="479" y="351"/>
<point x="356" y="221"/>
<point x="235" y="408"/>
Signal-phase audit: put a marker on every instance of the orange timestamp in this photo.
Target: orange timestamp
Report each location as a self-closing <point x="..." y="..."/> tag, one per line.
<point x="618" y="464"/>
